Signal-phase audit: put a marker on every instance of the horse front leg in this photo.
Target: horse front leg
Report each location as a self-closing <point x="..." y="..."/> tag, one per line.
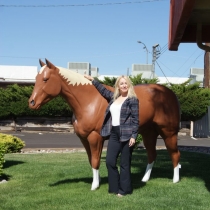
<point x="93" y="145"/>
<point x="96" y="145"/>
<point x="96" y="177"/>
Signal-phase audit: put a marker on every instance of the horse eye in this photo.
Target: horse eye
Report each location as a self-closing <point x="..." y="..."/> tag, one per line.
<point x="45" y="79"/>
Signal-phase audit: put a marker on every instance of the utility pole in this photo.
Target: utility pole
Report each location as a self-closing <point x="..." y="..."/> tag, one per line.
<point x="155" y="55"/>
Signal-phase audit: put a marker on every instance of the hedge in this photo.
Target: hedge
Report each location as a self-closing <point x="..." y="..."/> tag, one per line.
<point x="14" y="103"/>
<point x="2" y="153"/>
<point x="194" y="101"/>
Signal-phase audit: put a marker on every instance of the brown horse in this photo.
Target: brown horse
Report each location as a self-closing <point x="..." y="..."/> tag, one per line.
<point x="159" y="114"/>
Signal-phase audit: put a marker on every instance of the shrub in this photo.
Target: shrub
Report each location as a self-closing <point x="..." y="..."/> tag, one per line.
<point x="2" y="152"/>
<point x="194" y="101"/>
<point x="11" y="143"/>
<point x="138" y="141"/>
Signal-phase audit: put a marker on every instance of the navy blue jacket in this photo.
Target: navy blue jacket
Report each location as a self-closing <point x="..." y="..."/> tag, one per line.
<point x="129" y="115"/>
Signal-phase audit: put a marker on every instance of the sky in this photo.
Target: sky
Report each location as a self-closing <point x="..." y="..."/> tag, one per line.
<point x="104" y="33"/>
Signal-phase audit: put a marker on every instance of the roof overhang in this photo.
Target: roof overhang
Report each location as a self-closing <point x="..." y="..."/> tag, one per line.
<point x="189" y="23"/>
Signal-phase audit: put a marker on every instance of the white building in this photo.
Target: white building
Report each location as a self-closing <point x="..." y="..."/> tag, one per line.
<point x="17" y="74"/>
<point x="173" y="80"/>
<point x="101" y="77"/>
<point x="80" y="67"/>
<point x="145" y="69"/>
<point x="197" y="75"/>
<point x="94" y="72"/>
<point x="27" y="74"/>
<point x="162" y="80"/>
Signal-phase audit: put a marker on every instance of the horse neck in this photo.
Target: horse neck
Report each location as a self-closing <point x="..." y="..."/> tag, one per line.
<point x="76" y="89"/>
<point x="79" y="97"/>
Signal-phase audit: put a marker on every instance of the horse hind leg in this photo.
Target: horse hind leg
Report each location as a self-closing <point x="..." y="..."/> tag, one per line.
<point x="171" y="145"/>
<point x="150" y="140"/>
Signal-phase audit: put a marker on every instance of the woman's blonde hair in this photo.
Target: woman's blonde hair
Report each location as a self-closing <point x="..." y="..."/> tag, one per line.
<point x="131" y="92"/>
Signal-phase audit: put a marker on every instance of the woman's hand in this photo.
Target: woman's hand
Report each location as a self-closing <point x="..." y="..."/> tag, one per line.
<point x="132" y="142"/>
<point x="89" y="77"/>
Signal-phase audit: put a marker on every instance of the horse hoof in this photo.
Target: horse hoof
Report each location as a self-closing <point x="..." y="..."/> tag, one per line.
<point x="175" y="180"/>
<point x="176" y="173"/>
<point x="145" y="179"/>
<point x="94" y="187"/>
<point x="148" y="172"/>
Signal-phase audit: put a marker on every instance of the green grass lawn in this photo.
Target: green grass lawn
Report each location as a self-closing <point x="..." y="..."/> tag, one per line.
<point x="63" y="181"/>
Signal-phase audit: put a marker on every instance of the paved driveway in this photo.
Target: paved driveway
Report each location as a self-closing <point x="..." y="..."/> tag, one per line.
<point x="69" y="140"/>
<point x="48" y="140"/>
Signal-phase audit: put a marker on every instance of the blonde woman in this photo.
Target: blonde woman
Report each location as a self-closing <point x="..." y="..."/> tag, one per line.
<point x="121" y="124"/>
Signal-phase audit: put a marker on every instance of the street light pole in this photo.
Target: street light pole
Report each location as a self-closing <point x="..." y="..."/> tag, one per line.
<point x="145" y="47"/>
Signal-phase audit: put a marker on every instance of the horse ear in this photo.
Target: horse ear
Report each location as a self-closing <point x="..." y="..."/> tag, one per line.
<point x="41" y="63"/>
<point x="49" y="64"/>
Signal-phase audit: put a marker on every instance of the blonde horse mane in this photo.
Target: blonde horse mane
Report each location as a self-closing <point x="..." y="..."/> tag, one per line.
<point x="73" y="78"/>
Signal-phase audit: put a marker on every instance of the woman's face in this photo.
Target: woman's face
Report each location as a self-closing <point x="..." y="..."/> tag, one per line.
<point x="123" y="86"/>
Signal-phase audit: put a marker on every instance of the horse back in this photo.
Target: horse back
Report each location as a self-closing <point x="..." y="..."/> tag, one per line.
<point x="157" y="104"/>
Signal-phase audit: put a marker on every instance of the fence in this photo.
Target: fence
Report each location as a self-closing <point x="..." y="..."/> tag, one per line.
<point x="201" y="128"/>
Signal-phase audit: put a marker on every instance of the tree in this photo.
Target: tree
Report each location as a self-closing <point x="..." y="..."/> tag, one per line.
<point x="194" y="101"/>
<point x="108" y="81"/>
<point x="136" y="80"/>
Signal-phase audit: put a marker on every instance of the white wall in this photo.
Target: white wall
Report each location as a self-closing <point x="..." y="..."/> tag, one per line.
<point x="10" y="73"/>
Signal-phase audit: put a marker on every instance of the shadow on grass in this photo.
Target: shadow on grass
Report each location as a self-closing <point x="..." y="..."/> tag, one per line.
<point x="104" y="180"/>
<point x="5" y="177"/>
<point x="193" y="165"/>
<point x="7" y="164"/>
<point x="10" y="163"/>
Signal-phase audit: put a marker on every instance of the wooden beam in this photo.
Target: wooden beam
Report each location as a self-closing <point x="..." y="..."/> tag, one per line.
<point x="189" y="35"/>
<point x="206" y="81"/>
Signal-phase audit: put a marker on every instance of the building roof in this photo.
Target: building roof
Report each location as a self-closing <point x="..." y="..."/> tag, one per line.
<point x="18" y="73"/>
<point x="173" y="80"/>
<point x="162" y="80"/>
<point x="189" y="22"/>
<point x="101" y="77"/>
<point x="27" y="74"/>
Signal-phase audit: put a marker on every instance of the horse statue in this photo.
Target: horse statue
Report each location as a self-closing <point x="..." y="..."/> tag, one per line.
<point x="159" y="114"/>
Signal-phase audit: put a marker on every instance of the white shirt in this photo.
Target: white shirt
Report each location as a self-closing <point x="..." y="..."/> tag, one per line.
<point x="115" y="112"/>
